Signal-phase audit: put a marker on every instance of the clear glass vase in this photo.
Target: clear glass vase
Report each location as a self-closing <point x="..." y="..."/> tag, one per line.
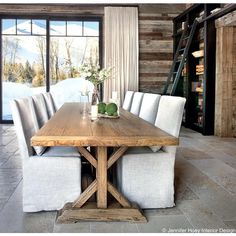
<point x="94" y="102"/>
<point x="95" y="96"/>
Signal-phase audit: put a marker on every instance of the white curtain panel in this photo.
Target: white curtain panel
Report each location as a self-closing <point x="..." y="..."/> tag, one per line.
<point x="121" y="50"/>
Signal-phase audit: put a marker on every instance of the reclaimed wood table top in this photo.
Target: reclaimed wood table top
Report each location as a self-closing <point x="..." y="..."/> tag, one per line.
<point x="72" y="126"/>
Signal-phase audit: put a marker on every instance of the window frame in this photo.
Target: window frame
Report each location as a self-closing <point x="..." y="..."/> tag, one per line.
<point x="99" y="19"/>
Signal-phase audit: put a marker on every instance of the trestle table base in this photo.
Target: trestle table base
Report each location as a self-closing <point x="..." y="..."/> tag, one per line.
<point x="90" y="212"/>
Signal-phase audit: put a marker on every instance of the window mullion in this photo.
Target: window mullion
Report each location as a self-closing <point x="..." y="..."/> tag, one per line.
<point x="47" y="56"/>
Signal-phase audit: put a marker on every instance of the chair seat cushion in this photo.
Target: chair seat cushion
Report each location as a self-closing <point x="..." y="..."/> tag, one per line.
<point x="61" y="152"/>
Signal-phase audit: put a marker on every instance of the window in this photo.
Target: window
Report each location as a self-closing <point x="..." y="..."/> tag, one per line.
<point x="72" y="43"/>
<point x="37" y="54"/>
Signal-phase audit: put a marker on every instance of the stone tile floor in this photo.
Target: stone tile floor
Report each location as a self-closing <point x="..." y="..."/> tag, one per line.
<point x="205" y="186"/>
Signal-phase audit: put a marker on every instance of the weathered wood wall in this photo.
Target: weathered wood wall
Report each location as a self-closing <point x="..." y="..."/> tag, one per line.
<point x="155" y="34"/>
<point x="225" y="99"/>
<point x="234" y="86"/>
<point x="48" y="9"/>
<point x="224" y="67"/>
<point x="156" y="44"/>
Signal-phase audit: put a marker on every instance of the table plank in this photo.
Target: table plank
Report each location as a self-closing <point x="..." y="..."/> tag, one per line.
<point x="71" y="127"/>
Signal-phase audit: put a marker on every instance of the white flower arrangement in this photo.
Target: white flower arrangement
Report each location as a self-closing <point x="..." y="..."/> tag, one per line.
<point x="94" y="74"/>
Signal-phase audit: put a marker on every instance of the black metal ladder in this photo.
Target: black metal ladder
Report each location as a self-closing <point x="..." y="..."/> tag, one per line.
<point x="179" y="59"/>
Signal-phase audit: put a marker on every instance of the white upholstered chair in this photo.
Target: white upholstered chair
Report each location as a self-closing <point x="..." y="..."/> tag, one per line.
<point x="149" y="106"/>
<point x="136" y="103"/>
<point x="128" y="100"/>
<point x="40" y="109"/>
<point x="51" y="108"/>
<point x="147" y="177"/>
<point x="49" y="181"/>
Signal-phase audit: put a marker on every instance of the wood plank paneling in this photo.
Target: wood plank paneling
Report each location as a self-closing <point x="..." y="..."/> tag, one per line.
<point x="234" y="85"/>
<point x="49" y="9"/>
<point x="156" y="44"/>
<point x="225" y="99"/>
<point x="162" y="8"/>
<point x="156" y="56"/>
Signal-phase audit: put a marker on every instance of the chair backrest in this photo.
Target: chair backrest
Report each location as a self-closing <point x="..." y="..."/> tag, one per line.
<point x="25" y="123"/>
<point x="40" y="109"/>
<point x="149" y="106"/>
<point x="128" y="100"/>
<point x="136" y="103"/>
<point x="51" y="109"/>
<point x="170" y="113"/>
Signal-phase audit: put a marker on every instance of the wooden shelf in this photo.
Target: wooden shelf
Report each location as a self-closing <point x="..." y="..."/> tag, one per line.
<point x="199" y="120"/>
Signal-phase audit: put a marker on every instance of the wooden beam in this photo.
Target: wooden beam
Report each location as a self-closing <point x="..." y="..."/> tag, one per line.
<point x="227" y="9"/>
<point x="227" y="20"/>
<point x="118" y="196"/>
<point x="52" y="9"/>
<point x="102" y="177"/>
<point x="89" y="213"/>
<point x="92" y="188"/>
<point x="116" y="156"/>
<point x="88" y="156"/>
<point x="225" y="81"/>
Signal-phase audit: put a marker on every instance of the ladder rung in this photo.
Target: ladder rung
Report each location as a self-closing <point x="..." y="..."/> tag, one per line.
<point x="174" y="76"/>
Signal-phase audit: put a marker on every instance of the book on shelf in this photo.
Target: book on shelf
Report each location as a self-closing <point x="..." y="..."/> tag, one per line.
<point x="200" y="120"/>
<point x="199" y="69"/>
<point x="197" y="86"/>
<point x="184" y="71"/>
<point x="200" y="102"/>
<point x="201" y="45"/>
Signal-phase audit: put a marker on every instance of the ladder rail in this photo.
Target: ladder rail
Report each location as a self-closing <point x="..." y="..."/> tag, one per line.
<point x="182" y="61"/>
<point x="177" y="77"/>
<point x="174" y="60"/>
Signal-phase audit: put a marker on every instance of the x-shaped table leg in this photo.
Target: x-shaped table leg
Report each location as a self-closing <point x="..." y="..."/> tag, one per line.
<point x="77" y="211"/>
<point x="101" y="185"/>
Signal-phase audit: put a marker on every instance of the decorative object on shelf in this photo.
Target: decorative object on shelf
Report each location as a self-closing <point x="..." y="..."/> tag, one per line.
<point x="199" y="69"/>
<point x="197" y="86"/>
<point x="184" y="71"/>
<point x="215" y="10"/>
<point x="95" y="75"/>
<point x="198" y="54"/>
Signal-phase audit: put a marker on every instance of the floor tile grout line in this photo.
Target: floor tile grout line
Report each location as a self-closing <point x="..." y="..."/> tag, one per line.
<point x="13" y="192"/>
<point x="220" y="185"/>
<point x="189" y="162"/>
<point x="206" y="207"/>
<point x="203" y="202"/>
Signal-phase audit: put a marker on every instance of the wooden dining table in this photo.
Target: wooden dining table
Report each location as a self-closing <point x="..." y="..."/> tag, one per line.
<point x="72" y="126"/>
